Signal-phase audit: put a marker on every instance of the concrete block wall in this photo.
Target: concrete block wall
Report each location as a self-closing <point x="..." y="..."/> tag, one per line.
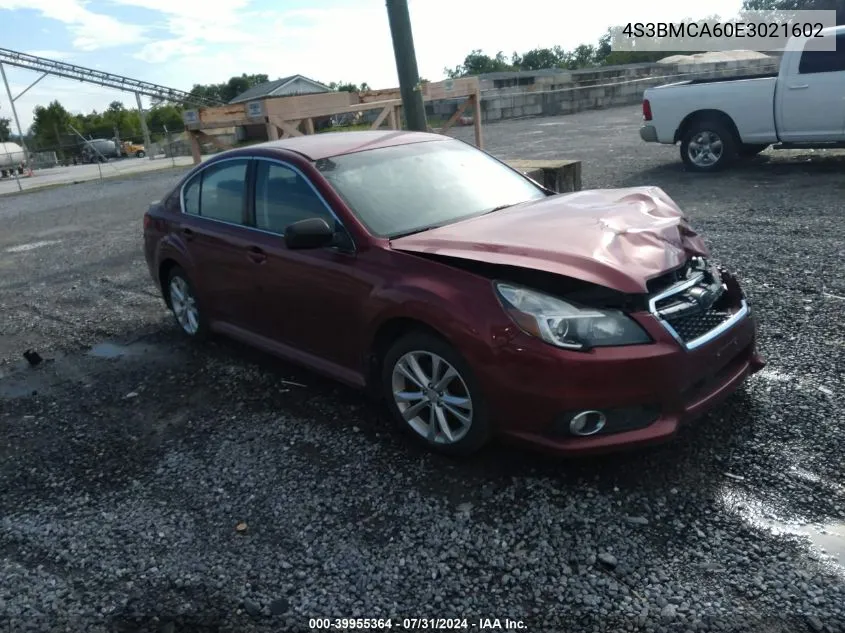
<point x="572" y="91"/>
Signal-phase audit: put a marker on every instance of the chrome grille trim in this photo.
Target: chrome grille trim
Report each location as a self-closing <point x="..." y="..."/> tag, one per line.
<point x="704" y="338"/>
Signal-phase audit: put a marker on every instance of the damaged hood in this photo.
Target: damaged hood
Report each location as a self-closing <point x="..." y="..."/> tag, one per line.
<point x="617" y="238"/>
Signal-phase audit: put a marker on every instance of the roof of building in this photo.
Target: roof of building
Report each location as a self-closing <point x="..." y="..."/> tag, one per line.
<point x="268" y="89"/>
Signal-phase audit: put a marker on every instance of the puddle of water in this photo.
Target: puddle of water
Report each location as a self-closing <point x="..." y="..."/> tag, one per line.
<point x="20" y="380"/>
<point x="110" y="351"/>
<point x="827" y="539"/>
<point x="31" y="246"/>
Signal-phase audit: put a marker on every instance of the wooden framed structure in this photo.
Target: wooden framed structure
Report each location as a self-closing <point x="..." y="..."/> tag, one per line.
<point x="284" y="117"/>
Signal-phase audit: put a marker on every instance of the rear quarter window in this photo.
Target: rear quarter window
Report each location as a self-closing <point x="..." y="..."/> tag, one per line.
<point x="191" y="195"/>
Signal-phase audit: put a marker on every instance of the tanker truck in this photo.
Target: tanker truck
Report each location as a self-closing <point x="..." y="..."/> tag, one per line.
<point x="99" y="149"/>
<point x="12" y="159"/>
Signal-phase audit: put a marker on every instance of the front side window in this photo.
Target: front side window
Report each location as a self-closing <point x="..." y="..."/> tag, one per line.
<point x="406" y="188"/>
<point x="283" y="197"/>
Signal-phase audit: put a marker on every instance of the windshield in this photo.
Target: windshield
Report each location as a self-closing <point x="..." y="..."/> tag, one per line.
<point x="407" y="188"/>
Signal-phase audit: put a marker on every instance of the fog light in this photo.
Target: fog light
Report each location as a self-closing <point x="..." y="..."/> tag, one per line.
<point x="587" y="423"/>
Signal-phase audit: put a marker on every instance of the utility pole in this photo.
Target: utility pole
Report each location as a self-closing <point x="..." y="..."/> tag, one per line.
<point x="406" y="65"/>
<point x="148" y="146"/>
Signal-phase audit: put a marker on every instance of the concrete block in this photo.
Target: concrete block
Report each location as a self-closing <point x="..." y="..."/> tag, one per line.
<point x="558" y="175"/>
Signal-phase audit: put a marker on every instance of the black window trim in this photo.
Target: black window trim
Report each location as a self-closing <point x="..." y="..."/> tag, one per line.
<point x="201" y="175"/>
<point x="248" y="209"/>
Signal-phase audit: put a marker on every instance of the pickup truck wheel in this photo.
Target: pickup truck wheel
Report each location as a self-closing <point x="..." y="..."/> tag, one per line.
<point x="708" y="145"/>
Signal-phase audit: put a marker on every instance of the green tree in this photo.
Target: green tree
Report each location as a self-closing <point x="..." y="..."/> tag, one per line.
<point x="50" y="124"/>
<point x="540" y="58"/>
<point x="477" y="63"/>
<point x="345" y="86"/>
<point x="165" y="116"/>
<point x="5" y="130"/>
<point x="798" y="5"/>
<point x="230" y="89"/>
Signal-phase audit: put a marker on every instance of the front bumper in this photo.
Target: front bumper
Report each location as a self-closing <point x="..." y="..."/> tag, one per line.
<point x="648" y="133"/>
<point x="648" y="391"/>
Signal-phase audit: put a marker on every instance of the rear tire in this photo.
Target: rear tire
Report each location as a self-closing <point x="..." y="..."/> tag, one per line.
<point x="708" y="145"/>
<point x="183" y="303"/>
<point x="432" y="395"/>
<point x="140" y="154"/>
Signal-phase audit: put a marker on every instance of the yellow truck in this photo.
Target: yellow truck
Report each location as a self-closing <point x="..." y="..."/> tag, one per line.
<point x="128" y="148"/>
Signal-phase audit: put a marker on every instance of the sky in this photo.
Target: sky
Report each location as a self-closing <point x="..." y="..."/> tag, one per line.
<point x="179" y="43"/>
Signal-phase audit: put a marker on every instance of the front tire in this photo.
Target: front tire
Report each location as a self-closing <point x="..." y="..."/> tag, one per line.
<point x="708" y="145"/>
<point x="140" y="154"/>
<point x="182" y="301"/>
<point x="432" y="394"/>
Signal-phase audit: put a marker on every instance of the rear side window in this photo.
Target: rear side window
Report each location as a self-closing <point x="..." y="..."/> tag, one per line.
<point x="816" y="60"/>
<point x="223" y="192"/>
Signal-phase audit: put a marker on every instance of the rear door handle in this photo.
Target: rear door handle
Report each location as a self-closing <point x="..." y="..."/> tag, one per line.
<point x="799" y="87"/>
<point x="256" y="254"/>
<point x="188" y="233"/>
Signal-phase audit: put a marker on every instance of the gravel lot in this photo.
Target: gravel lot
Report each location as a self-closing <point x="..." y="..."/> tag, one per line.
<point x="128" y="458"/>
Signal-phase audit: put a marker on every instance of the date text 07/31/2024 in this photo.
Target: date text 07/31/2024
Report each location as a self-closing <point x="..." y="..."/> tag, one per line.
<point x="436" y="624"/>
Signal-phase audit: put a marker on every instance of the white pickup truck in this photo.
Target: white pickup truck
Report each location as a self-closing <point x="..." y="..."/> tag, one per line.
<point x="717" y="120"/>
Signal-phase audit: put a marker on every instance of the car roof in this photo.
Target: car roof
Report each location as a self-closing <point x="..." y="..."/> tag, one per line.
<point x="329" y="144"/>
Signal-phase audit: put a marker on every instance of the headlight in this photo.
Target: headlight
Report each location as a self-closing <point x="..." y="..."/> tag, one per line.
<point x="566" y="325"/>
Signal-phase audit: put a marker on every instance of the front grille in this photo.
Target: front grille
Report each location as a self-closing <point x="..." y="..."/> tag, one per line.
<point x="693" y="326"/>
<point x="692" y="309"/>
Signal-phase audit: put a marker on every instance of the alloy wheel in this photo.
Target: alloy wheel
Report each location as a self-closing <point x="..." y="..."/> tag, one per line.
<point x="184" y="305"/>
<point x="432" y="397"/>
<point x="705" y="149"/>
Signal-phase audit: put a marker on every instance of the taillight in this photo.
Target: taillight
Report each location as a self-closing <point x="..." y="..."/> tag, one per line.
<point x="148" y="221"/>
<point x="646" y="110"/>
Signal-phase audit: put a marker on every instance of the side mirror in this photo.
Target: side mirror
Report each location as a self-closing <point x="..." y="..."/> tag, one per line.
<point x="309" y="233"/>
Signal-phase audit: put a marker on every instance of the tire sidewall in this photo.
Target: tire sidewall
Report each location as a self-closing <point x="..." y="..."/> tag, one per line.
<point x="202" y="330"/>
<point x="479" y="432"/>
<point x="729" y="145"/>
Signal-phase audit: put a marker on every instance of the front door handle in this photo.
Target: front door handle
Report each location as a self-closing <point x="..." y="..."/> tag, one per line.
<point x="188" y="233"/>
<point x="256" y="255"/>
<point x="799" y="87"/>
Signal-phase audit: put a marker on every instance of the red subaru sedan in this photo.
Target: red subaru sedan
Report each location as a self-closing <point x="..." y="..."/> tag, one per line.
<point x="471" y="299"/>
